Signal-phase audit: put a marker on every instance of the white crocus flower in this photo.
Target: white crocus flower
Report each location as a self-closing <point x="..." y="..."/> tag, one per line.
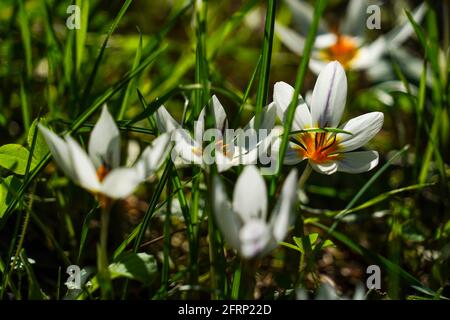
<point x="241" y="148"/>
<point x="98" y="171"/>
<point x="244" y="222"/>
<point x="348" y="44"/>
<point x="328" y="152"/>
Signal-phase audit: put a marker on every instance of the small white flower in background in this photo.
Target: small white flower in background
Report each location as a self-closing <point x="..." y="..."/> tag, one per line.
<point x="348" y="44"/>
<point x="244" y="222"/>
<point x="99" y="172"/>
<point x="228" y="151"/>
<point x="328" y="152"/>
<point x="18" y="264"/>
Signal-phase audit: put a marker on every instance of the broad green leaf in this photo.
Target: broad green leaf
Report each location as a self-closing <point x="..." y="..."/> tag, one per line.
<point x="136" y="266"/>
<point x="8" y="188"/>
<point x="14" y="157"/>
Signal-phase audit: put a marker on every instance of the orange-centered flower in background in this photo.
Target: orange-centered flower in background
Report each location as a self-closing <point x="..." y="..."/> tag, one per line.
<point x="349" y="43"/>
<point x="315" y="133"/>
<point x="344" y="50"/>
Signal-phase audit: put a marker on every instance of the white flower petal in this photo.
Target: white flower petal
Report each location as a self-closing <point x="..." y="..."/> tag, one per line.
<point x="104" y="142"/>
<point x="59" y="150"/>
<point x="254" y="237"/>
<point x="120" y="183"/>
<point x="199" y="126"/>
<point x="355" y="18"/>
<point x="267" y="121"/>
<point x="223" y="162"/>
<point x="219" y="114"/>
<point x="324" y="41"/>
<point x="291" y="39"/>
<point x="154" y="155"/>
<point x="369" y="55"/>
<point x="357" y="162"/>
<point x="250" y="195"/>
<point x="317" y="65"/>
<point x="284" y="213"/>
<point x="226" y="219"/>
<point x="329" y="96"/>
<point x="363" y="129"/>
<point x="292" y="156"/>
<point x="282" y="96"/>
<point x="164" y="121"/>
<point x="187" y="148"/>
<point x="83" y="167"/>
<point x="302" y="16"/>
<point x="133" y="152"/>
<point x="327" y="168"/>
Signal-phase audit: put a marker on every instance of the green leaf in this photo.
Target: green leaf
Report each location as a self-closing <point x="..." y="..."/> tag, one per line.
<point x="328" y="243"/>
<point x="288" y="245"/>
<point x="266" y="54"/>
<point x="313" y="237"/>
<point x="8" y="188"/>
<point x="131" y="84"/>
<point x="82" y="32"/>
<point x="136" y="266"/>
<point x="14" y="157"/>
<point x="40" y="147"/>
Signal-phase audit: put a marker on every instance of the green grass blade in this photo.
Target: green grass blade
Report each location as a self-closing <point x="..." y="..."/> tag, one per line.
<point x="112" y="28"/>
<point x="80" y="37"/>
<point x="131" y="84"/>
<point x="264" y="75"/>
<point x="25" y="33"/>
<point x="24" y="105"/>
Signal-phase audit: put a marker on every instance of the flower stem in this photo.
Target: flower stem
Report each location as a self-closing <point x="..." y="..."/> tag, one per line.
<point x="304" y="177"/>
<point x="303" y="265"/>
<point x="102" y="255"/>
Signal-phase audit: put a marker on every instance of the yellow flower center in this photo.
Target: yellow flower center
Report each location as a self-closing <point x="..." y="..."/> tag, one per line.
<point x="343" y="50"/>
<point x="318" y="147"/>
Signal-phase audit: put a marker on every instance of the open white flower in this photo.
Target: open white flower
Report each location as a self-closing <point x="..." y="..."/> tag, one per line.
<point x="348" y="44"/>
<point x="328" y="152"/>
<point x="241" y="148"/>
<point x="99" y="172"/>
<point x="244" y="222"/>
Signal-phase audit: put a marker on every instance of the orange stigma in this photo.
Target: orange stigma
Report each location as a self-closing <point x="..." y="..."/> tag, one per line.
<point x="318" y="147"/>
<point x="343" y="50"/>
<point x="102" y="172"/>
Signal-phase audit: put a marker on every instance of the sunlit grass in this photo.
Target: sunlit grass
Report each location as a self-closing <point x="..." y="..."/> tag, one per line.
<point x="164" y="241"/>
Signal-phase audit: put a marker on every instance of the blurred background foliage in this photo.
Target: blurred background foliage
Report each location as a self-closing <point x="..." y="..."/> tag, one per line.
<point x="45" y="70"/>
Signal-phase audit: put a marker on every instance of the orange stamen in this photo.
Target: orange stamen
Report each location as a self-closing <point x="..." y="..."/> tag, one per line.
<point x="318" y="147"/>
